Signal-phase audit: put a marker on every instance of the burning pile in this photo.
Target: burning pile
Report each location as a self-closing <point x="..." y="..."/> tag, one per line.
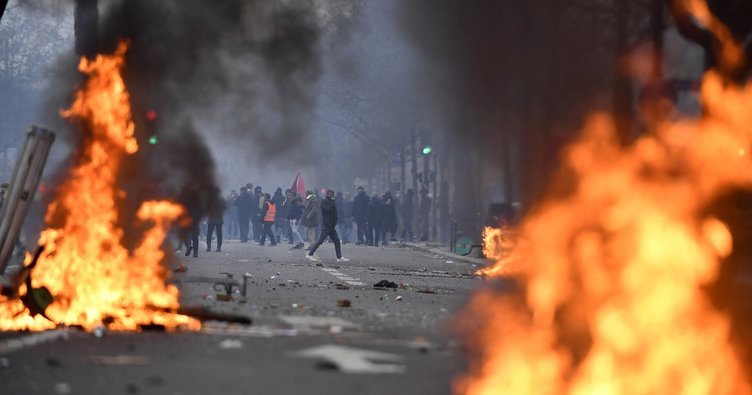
<point x="612" y="274"/>
<point x="93" y="278"/>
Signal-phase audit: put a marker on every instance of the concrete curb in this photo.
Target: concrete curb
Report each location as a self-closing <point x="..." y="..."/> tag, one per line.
<point x="444" y="251"/>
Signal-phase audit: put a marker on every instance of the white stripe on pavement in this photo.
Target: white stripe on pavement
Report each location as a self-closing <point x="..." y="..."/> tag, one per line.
<point x="343" y="277"/>
<point x="34" y="339"/>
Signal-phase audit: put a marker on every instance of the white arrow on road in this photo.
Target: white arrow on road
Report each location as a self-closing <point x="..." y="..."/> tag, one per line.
<point x="354" y="360"/>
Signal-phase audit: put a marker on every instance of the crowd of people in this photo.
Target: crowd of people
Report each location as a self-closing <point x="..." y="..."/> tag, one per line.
<point x="251" y="215"/>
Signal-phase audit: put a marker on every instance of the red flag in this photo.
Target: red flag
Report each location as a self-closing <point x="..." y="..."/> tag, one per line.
<point x="297" y="185"/>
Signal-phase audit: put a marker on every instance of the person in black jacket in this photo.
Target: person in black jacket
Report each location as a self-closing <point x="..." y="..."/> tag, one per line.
<point x="375" y="219"/>
<point x="294" y="212"/>
<point x="244" y="203"/>
<point x="215" y="210"/>
<point x="328" y="228"/>
<point x="360" y="215"/>
<point x="389" y="224"/>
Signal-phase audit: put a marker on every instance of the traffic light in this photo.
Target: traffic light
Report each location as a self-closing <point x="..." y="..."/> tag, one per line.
<point x="151" y="126"/>
<point x="427" y="150"/>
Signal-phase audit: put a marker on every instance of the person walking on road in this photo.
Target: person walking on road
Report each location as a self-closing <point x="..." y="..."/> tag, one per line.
<point x="268" y="215"/>
<point x="310" y="218"/>
<point x="375" y="220"/>
<point x="295" y="211"/>
<point x="328" y="228"/>
<point x="360" y="215"/>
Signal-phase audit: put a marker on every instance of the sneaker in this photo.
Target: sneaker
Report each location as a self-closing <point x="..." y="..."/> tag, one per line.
<point x="188" y="252"/>
<point x="312" y="258"/>
<point x="343" y="259"/>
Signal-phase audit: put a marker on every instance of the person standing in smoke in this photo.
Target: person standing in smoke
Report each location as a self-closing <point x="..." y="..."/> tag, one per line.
<point x="256" y="219"/>
<point x="360" y="215"/>
<point x="294" y="212"/>
<point x="347" y="223"/>
<point x="268" y="214"/>
<point x="194" y="204"/>
<point x="389" y="223"/>
<point x="425" y="213"/>
<point x="310" y="217"/>
<point x="279" y="220"/>
<point x="328" y="228"/>
<point x="339" y="200"/>
<point x="375" y="219"/>
<point x="215" y="210"/>
<point x="407" y="210"/>
<point x="244" y="203"/>
<point x="231" y="216"/>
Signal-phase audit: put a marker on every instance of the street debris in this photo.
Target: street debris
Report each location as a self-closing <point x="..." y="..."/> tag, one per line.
<point x="426" y="291"/>
<point x="344" y="303"/>
<point x="342" y="287"/>
<point x="385" y="284"/>
<point x="352" y="360"/>
<point x="119" y="360"/>
<point x="223" y="297"/>
<point x="302" y="321"/>
<point x="398" y="298"/>
<point x="230" y="344"/>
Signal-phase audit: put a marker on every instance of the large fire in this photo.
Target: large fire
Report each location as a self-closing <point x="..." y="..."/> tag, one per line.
<point x="613" y="274"/>
<point x="93" y="278"/>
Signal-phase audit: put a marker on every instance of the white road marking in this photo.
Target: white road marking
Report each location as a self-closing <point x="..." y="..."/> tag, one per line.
<point x="306" y="321"/>
<point x="32" y="340"/>
<point x="354" y="360"/>
<point x="343" y="277"/>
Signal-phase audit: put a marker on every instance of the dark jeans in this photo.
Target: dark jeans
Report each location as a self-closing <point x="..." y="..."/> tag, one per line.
<point x="331" y="233"/>
<point x="267" y="231"/>
<point x="258" y="227"/>
<point x="191" y="240"/>
<point x="373" y="235"/>
<point x="346" y="230"/>
<point x="362" y="230"/>
<point x="243" y="222"/>
<point x="407" y="229"/>
<point x="210" y="227"/>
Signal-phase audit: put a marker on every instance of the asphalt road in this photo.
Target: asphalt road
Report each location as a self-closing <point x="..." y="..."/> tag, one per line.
<point x="389" y="341"/>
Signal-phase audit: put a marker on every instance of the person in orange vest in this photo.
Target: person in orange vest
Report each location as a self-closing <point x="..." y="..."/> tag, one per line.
<point x="268" y="215"/>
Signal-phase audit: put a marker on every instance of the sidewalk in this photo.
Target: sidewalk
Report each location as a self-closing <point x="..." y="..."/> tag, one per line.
<point x="443" y="250"/>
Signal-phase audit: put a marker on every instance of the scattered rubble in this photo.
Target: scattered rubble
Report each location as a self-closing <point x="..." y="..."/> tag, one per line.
<point x="398" y="298"/>
<point x="385" y="284"/>
<point x="344" y="303"/>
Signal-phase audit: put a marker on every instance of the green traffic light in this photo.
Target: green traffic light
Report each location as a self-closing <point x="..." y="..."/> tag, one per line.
<point x="427" y="150"/>
<point x="152" y="140"/>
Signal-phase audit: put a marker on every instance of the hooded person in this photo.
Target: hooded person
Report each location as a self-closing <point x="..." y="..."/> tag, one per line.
<point x="256" y="219"/>
<point x="389" y="223"/>
<point x="311" y="215"/>
<point x="360" y="215"/>
<point x="215" y="210"/>
<point x="279" y="220"/>
<point x="328" y="228"/>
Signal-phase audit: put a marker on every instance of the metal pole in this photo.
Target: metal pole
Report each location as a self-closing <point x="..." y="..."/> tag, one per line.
<point x="23" y="185"/>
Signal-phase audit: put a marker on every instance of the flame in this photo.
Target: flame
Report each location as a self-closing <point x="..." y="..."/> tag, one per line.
<point x="94" y="279"/>
<point x="612" y="274"/>
<point x="498" y="246"/>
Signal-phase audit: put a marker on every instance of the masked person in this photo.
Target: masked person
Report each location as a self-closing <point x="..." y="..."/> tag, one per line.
<point x="215" y="210"/>
<point x="375" y="220"/>
<point x="244" y="204"/>
<point x="328" y="228"/>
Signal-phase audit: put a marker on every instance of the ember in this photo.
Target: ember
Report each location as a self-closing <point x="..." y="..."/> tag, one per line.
<point x="93" y="278"/>
<point x="613" y="272"/>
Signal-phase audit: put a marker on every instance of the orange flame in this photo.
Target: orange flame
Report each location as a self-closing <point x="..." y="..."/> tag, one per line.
<point x="94" y="279"/>
<point x="613" y="273"/>
<point x="498" y="245"/>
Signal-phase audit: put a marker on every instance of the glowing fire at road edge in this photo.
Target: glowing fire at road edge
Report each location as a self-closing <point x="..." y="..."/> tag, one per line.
<point x="94" y="279"/>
